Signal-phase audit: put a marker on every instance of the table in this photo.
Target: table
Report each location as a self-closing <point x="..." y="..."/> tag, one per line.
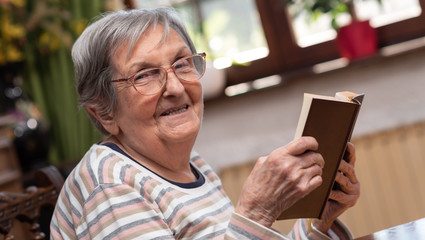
<point x="408" y="231"/>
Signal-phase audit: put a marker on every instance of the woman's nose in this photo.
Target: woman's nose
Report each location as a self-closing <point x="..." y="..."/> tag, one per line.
<point x="173" y="85"/>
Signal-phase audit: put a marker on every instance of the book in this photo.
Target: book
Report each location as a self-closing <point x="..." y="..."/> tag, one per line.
<point x="331" y="121"/>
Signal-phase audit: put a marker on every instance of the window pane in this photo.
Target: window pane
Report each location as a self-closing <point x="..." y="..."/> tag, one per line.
<point x="388" y="12"/>
<point x="230" y="32"/>
<point x="310" y="30"/>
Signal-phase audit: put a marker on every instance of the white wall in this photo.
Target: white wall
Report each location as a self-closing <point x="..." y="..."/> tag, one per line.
<point x="241" y="128"/>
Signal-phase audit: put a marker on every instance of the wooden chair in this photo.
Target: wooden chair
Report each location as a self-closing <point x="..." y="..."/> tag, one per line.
<point x="26" y="206"/>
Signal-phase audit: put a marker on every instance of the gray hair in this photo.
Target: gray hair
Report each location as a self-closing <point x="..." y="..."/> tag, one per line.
<point x="92" y="53"/>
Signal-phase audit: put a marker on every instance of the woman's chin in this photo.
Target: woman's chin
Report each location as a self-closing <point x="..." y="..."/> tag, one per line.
<point x="181" y="132"/>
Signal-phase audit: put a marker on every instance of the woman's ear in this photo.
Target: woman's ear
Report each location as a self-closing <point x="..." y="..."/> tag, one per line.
<point x="107" y="120"/>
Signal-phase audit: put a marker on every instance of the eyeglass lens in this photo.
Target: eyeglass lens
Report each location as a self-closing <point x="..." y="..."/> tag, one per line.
<point x="150" y="81"/>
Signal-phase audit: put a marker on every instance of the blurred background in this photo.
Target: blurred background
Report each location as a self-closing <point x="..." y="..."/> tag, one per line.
<point x="262" y="56"/>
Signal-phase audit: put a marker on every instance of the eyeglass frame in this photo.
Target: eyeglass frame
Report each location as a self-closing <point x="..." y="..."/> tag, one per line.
<point x="167" y="70"/>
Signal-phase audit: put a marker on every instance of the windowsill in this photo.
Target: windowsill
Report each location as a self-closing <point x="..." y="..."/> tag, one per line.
<point x="384" y="52"/>
<point x="340" y="64"/>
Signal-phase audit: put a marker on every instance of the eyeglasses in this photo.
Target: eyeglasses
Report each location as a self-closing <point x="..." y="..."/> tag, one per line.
<point x="152" y="80"/>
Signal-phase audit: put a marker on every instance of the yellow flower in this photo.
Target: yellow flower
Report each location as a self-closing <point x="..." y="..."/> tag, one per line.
<point x="18" y="3"/>
<point x="16" y="31"/>
<point x="2" y="56"/>
<point x="54" y="43"/>
<point x="14" y="54"/>
<point x="78" y="25"/>
<point x="44" y="38"/>
<point x="49" y="40"/>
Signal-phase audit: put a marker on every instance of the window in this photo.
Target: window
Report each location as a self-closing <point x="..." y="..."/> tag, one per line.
<point x="309" y="32"/>
<point x="286" y="57"/>
<point x="280" y="53"/>
<point x="229" y="31"/>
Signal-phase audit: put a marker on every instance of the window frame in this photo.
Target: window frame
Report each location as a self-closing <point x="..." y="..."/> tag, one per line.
<point x="287" y="57"/>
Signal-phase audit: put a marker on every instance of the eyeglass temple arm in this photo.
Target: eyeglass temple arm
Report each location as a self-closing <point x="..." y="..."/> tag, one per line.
<point x="120" y="80"/>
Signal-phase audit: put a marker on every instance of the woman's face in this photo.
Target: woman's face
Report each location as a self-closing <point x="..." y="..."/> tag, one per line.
<point x="173" y="115"/>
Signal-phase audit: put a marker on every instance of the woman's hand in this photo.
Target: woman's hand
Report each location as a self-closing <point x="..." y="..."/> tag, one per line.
<point x="280" y="179"/>
<point x="345" y="196"/>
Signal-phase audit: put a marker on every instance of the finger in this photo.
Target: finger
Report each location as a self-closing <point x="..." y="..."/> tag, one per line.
<point x="313" y="178"/>
<point x="312" y="158"/>
<point x="343" y="182"/>
<point x="315" y="182"/>
<point x="342" y="197"/>
<point x="348" y="171"/>
<point x="312" y="172"/>
<point x="350" y="154"/>
<point x="315" y="170"/>
<point x="301" y="145"/>
<point x="346" y="185"/>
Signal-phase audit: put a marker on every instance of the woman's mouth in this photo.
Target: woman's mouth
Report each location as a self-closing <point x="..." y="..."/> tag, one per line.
<point x="175" y="111"/>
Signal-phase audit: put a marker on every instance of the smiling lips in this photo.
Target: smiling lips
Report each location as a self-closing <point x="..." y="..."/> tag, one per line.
<point x="175" y="111"/>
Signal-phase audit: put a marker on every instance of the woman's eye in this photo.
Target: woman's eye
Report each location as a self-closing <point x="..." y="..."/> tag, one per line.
<point x="182" y="64"/>
<point x="139" y="78"/>
<point x="146" y="76"/>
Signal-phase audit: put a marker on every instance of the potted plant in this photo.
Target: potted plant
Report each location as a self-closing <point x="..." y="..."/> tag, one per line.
<point x="354" y="40"/>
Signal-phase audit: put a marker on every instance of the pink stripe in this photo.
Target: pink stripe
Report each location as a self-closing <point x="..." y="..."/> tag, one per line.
<point x="205" y="222"/>
<point x="105" y="172"/>
<point x="159" y="224"/>
<point x="249" y="229"/>
<point x="87" y="236"/>
<point x="55" y="234"/>
<point x="199" y="162"/>
<point x="149" y="184"/>
<point x="105" y="192"/>
<point x="63" y="224"/>
<point x="129" y="173"/>
<point x="218" y="237"/>
<point x="304" y="222"/>
<point x="72" y="185"/>
<point x="115" y="212"/>
<point x="338" y="231"/>
<point x="75" y="190"/>
<point x="165" y="197"/>
<point x="189" y="208"/>
<point x="87" y="177"/>
<point x="296" y="231"/>
<point x="211" y="175"/>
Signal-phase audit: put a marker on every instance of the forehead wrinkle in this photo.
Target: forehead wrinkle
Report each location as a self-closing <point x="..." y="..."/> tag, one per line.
<point x="144" y="64"/>
<point x="148" y="30"/>
<point x="165" y="35"/>
<point x="131" y="41"/>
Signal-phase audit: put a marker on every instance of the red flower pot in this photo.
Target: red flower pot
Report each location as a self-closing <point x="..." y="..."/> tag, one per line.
<point x="357" y="40"/>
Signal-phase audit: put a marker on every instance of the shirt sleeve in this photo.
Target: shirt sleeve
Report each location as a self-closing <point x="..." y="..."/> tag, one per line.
<point x="243" y="228"/>
<point x="338" y="231"/>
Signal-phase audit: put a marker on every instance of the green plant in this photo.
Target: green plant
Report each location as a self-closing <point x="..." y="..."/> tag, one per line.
<point x="316" y="8"/>
<point x="39" y="35"/>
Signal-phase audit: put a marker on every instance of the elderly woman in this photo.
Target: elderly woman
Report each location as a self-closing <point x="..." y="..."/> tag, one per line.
<point x="138" y="77"/>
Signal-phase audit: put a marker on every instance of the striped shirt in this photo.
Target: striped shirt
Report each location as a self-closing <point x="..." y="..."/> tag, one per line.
<point x="109" y="195"/>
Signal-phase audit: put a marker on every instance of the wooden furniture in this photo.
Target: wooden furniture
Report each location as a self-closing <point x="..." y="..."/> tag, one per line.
<point x="411" y="230"/>
<point x="10" y="169"/>
<point x="26" y="206"/>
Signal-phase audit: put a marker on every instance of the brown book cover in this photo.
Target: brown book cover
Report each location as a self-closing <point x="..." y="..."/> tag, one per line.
<point x="331" y="121"/>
